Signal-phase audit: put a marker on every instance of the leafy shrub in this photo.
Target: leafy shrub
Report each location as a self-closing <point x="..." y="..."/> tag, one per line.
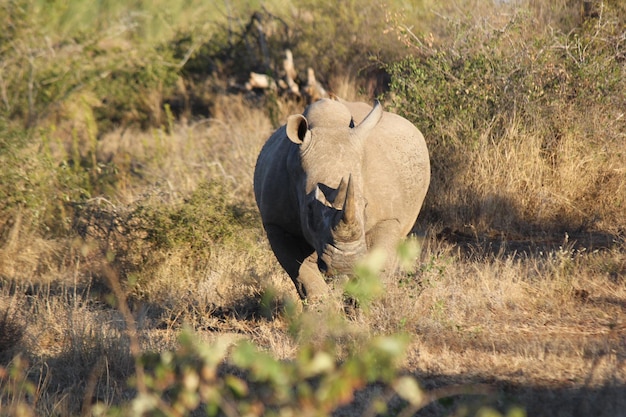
<point x="43" y="190"/>
<point x="251" y="382"/>
<point x="207" y="217"/>
<point x="68" y="75"/>
<point x="52" y="51"/>
<point x="144" y="239"/>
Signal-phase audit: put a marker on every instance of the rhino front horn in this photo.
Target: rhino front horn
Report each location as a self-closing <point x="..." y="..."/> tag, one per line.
<point x="348" y="229"/>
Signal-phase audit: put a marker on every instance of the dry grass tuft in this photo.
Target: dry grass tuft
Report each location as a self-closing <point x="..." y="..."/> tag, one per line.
<point x="11" y="332"/>
<point x="521" y="182"/>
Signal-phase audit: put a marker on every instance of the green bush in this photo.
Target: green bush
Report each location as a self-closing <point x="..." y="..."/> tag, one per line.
<point x="245" y="380"/>
<point x="112" y="51"/>
<point x="44" y="191"/>
<point x="207" y="217"/>
<point x="32" y="188"/>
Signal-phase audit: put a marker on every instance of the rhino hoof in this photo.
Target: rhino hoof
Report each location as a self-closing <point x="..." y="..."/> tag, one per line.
<point x="321" y="265"/>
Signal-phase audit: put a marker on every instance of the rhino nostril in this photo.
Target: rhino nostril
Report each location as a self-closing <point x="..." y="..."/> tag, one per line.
<point x="322" y="266"/>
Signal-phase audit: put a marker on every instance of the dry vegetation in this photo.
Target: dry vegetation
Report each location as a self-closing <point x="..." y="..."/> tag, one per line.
<point x="520" y="281"/>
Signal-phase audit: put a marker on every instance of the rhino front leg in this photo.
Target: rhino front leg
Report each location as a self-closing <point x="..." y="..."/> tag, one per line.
<point x="298" y="258"/>
<point x="386" y="235"/>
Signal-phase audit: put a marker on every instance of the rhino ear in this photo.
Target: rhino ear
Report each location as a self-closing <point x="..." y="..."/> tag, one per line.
<point x="297" y="129"/>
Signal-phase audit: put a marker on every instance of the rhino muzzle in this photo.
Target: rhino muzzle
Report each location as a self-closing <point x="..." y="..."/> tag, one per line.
<point x="347" y="227"/>
<point x="340" y="258"/>
<point x="347" y="237"/>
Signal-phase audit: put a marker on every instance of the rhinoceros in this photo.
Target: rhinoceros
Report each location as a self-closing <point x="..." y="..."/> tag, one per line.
<point x="335" y="182"/>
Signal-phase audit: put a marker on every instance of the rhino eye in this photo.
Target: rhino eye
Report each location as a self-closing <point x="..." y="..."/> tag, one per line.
<point x="351" y="125"/>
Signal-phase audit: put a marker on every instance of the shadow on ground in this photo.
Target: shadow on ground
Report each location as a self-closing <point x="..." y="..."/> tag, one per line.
<point x="480" y="246"/>
<point x="536" y="401"/>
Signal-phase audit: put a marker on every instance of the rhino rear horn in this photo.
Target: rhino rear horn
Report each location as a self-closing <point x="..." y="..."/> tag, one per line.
<point x="371" y="120"/>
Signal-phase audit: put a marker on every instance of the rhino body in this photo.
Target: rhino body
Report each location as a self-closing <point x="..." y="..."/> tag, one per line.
<point x="335" y="182"/>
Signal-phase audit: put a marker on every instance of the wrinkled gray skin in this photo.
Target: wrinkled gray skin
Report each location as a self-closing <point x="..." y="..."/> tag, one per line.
<point x="336" y="181"/>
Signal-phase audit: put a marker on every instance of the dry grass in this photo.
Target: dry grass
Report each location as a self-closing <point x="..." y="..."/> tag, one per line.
<point x="547" y="328"/>
<point x="544" y="327"/>
<point x="512" y="180"/>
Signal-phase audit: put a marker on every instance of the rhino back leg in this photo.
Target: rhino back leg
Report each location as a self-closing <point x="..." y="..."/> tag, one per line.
<point x="298" y="258"/>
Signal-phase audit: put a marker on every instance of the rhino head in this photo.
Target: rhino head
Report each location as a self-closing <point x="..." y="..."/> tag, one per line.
<point x="329" y="181"/>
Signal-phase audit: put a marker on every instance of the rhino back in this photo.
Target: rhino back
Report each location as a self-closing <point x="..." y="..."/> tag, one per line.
<point x="396" y="172"/>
